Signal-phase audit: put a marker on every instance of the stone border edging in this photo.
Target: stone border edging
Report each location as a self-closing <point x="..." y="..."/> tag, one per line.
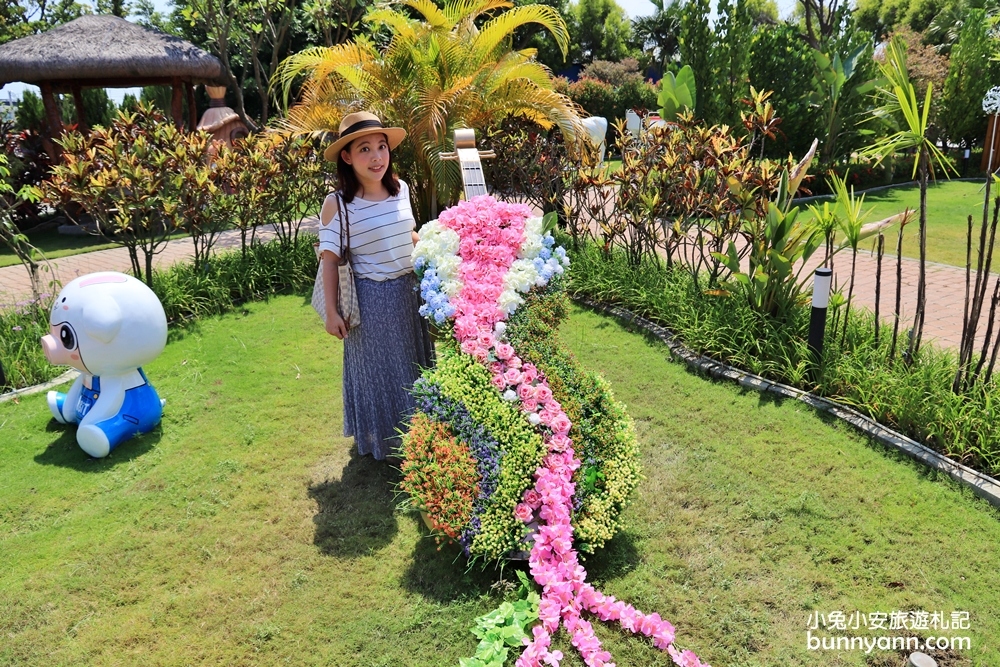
<point x="982" y="485"/>
<point x="45" y="386"/>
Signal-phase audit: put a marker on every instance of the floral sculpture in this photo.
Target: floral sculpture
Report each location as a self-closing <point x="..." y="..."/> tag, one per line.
<point x="514" y="448"/>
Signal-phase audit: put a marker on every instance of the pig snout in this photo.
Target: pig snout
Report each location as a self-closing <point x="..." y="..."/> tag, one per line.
<point x="56" y="353"/>
<point x="51" y="348"/>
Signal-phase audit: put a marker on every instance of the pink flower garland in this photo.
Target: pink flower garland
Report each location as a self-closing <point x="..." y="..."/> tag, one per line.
<point x="490" y="234"/>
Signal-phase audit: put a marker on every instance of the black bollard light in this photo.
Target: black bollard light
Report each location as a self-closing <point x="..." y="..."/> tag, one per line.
<point x="817" y="321"/>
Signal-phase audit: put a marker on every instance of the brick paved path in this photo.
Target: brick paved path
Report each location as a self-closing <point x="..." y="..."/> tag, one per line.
<point x="945" y="293"/>
<point x="15" y="285"/>
<point x="945" y="284"/>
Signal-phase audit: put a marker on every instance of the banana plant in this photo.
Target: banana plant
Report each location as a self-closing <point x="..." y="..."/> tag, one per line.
<point x="833" y="86"/>
<point x="780" y="245"/>
<point x="677" y="93"/>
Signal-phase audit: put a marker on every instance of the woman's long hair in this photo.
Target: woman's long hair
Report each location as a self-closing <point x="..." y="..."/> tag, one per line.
<point x="349" y="183"/>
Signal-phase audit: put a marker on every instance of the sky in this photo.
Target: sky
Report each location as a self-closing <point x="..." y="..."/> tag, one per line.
<point x="634" y="8"/>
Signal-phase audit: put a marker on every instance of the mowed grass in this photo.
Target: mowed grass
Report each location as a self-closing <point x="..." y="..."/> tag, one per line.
<point x="949" y="204"/>
<point x="54" y="245"/>
<point x="245" y="532"/>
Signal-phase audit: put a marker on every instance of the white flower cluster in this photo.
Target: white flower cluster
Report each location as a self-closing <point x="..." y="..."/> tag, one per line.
<point x="438" y="248"/>
<point x="436" y="260"/>
<point x="537" y="262"/>
<point x="991" y="103"/>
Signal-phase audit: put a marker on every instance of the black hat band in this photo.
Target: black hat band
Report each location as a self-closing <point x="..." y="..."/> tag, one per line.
<point x="361" y="125"/>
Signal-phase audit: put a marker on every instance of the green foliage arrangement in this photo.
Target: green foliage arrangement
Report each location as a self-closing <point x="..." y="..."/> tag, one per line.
<point x="504" y="628"/>
<point x="607" y="445"/>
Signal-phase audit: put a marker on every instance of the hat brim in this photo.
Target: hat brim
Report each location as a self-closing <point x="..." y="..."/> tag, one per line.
<point x="394" y="135"/>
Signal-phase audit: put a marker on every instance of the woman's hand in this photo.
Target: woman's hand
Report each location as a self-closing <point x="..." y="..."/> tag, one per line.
<point x="336" y="326"/>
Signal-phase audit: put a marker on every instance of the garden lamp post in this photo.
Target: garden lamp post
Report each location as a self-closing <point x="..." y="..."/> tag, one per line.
<point x="817" y="320"/>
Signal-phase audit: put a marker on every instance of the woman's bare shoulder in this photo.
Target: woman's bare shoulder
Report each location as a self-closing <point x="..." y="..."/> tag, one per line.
<point x="329" y="209"/>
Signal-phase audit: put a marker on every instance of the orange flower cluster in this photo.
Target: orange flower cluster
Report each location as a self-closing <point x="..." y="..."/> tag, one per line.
<point x="439" y="472"/>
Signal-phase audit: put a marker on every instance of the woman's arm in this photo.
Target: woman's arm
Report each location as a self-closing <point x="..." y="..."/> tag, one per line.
<point x="335" y="325"/>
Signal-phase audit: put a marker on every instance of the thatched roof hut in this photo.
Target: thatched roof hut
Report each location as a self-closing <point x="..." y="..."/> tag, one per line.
<point x="107" y="52"/>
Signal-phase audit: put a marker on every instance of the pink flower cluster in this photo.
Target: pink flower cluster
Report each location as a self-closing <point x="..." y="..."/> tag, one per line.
<point x="490" y="235"/>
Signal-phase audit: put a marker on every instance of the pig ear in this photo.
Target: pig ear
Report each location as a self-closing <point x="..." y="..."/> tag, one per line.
<point x="102" y="318"/>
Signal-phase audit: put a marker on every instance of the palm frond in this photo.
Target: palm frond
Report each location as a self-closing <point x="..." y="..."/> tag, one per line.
<point x="433" y="15"/>
<point x="463" y="10"/>
<point x="499" y="29"/>
<point x="401" y="26"/>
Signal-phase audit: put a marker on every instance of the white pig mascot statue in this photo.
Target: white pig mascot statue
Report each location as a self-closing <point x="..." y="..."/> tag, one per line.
<point x="106" y="325"/>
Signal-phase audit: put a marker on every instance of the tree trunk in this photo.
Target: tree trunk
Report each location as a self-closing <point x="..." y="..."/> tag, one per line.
<point x="850" y="297"/>
<point x="52" y="120"/>
<point x="177" y="103"/>
<point x="899" y="286"/>
<point x="192" y="107"/>
<point x="880" y="252"/>
<point x="918" y="316"/>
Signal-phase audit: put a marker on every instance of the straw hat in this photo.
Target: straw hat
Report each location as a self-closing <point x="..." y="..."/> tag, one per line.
<point x="359" y="124"/>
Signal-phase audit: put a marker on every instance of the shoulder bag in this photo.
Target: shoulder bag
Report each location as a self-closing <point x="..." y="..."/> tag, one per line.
<point x="347" y="298"/>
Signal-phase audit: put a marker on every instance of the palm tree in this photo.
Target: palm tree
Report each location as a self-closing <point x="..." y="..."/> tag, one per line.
<point x="946" y="27"/>
<point x="451" y="67"/>
<point x="900" y="109"/>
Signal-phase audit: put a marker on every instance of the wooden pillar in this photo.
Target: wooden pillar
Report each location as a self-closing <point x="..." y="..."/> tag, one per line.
<point x="81" y="119"/>
<point x="992" y="140"/>
<point x="192" y="107"/>
<point x="177" y="104"/>
<point x="52" y="119"/>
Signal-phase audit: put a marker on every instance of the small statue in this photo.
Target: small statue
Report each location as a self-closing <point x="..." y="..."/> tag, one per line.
<point x="106" y="325"/>
<point x="220" y="121"/>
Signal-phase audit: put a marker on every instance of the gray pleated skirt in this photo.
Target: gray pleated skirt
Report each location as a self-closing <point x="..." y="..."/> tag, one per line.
<point x="383" y="356"/>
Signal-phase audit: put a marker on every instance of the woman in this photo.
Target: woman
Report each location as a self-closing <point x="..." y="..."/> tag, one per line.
<point x="384" y="354"/>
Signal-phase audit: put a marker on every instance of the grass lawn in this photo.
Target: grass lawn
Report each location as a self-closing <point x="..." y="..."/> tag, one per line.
<point x="949" y="204"/>
<point x="245" y="532"/>
<point x="55" y="245"/>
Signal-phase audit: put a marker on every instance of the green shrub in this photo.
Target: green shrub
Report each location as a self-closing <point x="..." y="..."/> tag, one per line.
<point x="596" y="97"/>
